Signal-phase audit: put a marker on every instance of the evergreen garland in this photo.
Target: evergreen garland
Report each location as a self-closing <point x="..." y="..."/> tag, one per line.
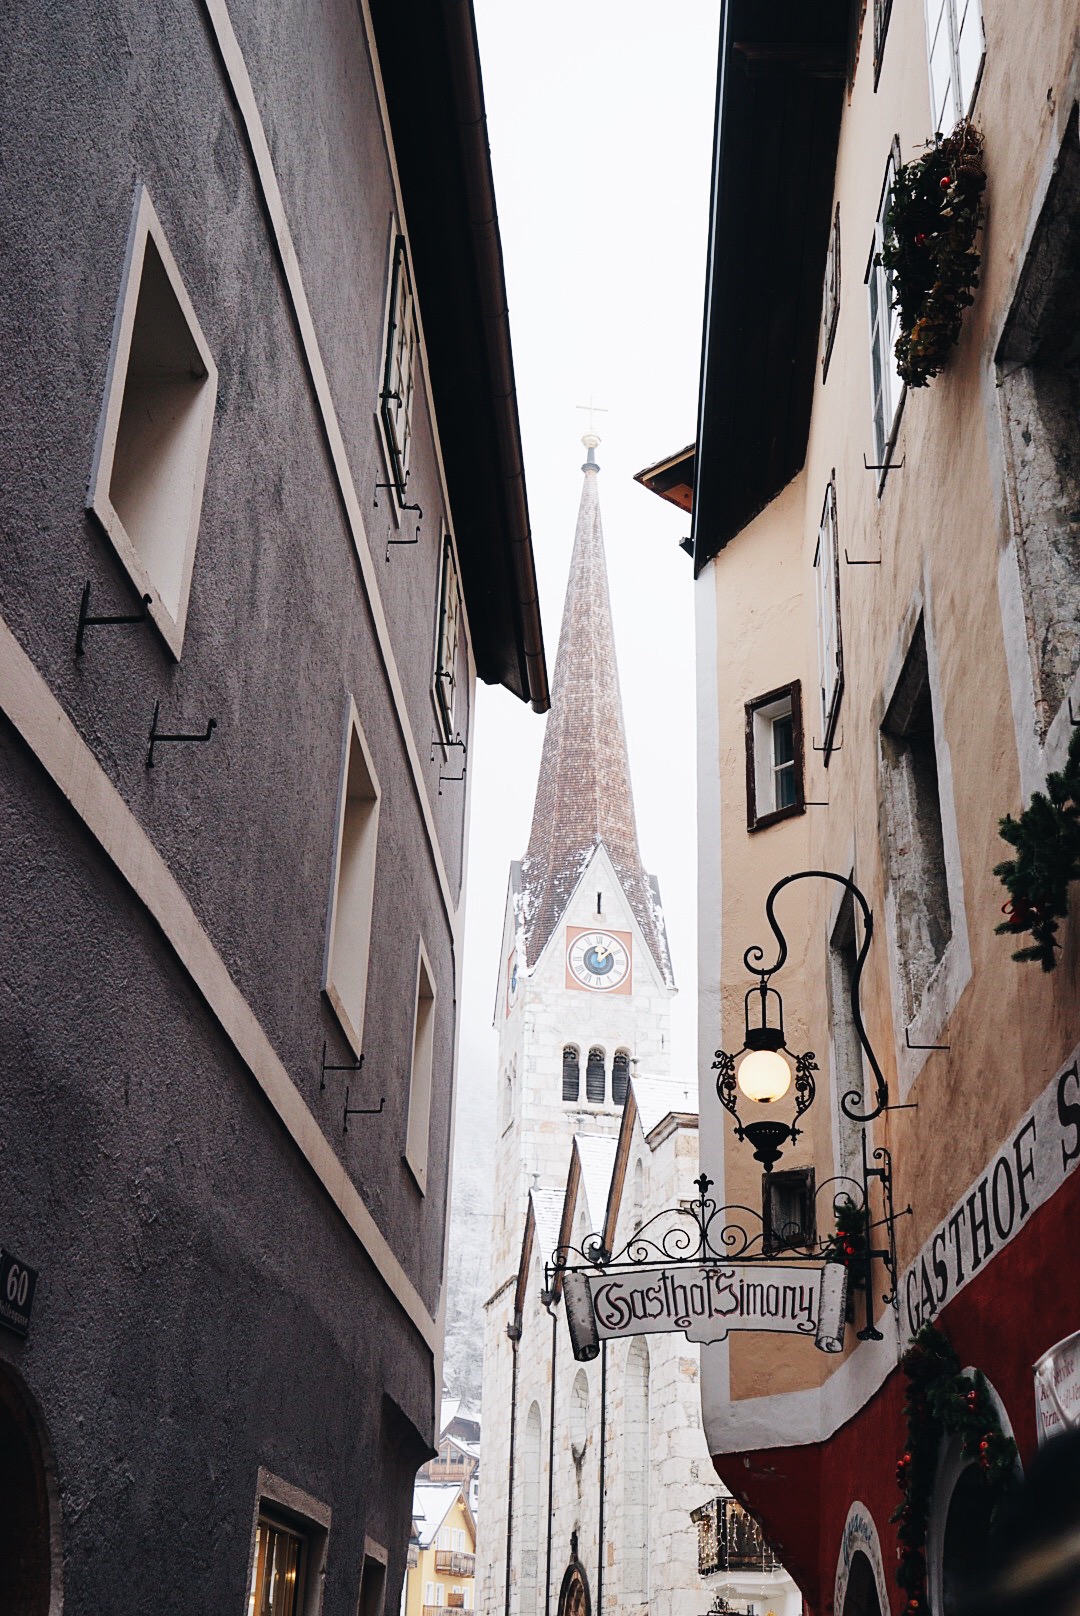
<point x="931" y="221"/>
<point x="849" y="1245"/>
<point x="941" y="1401"/>
<point x="1047" y="841"/>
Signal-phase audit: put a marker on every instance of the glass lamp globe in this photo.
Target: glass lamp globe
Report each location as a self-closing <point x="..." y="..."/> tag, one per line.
<point x="764" y="1076"/>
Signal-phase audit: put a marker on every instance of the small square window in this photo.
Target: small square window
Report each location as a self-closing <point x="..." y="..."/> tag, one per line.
<point x="416" y="1138"/>
<point x="399" y="370"/>
<point x="146" y="488"/>
<point x="447" y="646"/>
<point x="353" y="894"/>
<point x="788" y="1210"/>
<point x="774" y="757"/>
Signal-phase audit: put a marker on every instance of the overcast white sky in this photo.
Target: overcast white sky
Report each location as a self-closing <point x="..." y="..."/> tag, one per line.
<point x="600" y="115"/>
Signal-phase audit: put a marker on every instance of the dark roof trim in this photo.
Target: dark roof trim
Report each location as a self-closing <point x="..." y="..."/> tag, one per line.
<point x="671" y="479"/>
<point x="430" y="63"/>
<point x="779" y="103"/>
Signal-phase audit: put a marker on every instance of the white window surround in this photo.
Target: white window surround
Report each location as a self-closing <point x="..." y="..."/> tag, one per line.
<point x="830" y="640"/>
<point x="448" y="627"/>
<point x="420" y="1074"/>
<point x="886" y="388"/>
<point x="956" y="46"/>
<point x="352" y="890"/>
<point x="953" y="971"/>
<point x="149" y="471"/>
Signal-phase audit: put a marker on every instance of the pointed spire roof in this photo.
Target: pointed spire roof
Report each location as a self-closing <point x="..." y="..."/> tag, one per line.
<point x="583" y="795"/>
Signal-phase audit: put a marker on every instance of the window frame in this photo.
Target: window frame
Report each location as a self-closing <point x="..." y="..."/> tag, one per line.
<point x="282" y="1507"/>
<point x="882" y="18"/>
<point x="827" y="592"/>
<point x="755" y="714"/>
<point x="883" y="333"/>
<point x="830" y="299"/>
<point x="805" y="1178"/>
<point x="400" y="355"/>
<point x="146" y="231"/>
<point x="447" y="656"/>
<point x="350" y="1007"/>
<point x="421" y="1071"/>
<point x="947" y="12"/>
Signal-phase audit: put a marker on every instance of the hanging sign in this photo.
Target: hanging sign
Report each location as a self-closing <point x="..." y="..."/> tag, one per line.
<point x="704" y="1303"/>
<point x="1057" y="1388"/>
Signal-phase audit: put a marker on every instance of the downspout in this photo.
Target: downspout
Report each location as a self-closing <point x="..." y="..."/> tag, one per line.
<point x="603" y="1455"/>
<point x="513" y="1330"/>
<point x="551" y="1459"/>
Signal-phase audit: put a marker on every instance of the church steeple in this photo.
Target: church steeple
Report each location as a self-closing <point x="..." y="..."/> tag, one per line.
<point x="583" y="795"/>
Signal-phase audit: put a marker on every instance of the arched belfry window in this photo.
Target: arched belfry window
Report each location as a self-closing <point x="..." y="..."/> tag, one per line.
<point x="595" y="1077"/>
<point x="571" y="1073"/>
<point x="620" y="1076"/>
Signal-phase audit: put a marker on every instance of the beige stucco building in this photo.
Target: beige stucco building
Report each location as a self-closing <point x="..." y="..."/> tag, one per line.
<point x="888" y="621"/>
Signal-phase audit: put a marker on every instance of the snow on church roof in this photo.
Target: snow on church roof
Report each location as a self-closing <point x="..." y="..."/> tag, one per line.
<point x="583" y="794"/>
<point x="597" y="1158"/>
<point x="659" y="1097"/>
<point x="547" y="1214"/>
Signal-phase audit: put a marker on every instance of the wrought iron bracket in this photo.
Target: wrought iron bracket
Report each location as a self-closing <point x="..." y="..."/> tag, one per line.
<point x="159" y="738"/>
<point x="349" y="1110"/>
<point x="457" y="744"/>
<point x="86" y="621"/>
<point x="852" y="561"/>
<point x="910" y="1045"/>
<point x="888" y="465"/>
<point x="833" y="746"/>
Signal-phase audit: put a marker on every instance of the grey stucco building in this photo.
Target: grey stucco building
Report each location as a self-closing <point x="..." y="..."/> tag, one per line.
<point x="259" y="395"/>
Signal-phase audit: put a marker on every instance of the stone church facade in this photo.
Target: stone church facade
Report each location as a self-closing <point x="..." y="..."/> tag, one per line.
<point x="590" y="1472"/>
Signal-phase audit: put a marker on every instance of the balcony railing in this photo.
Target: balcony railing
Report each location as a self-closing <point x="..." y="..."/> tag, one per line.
<point x="730" y="1540"/>
<point x="454" y="1563"/>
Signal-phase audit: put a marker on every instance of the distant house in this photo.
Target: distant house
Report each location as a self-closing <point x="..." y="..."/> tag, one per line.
<point x="443" y="1576"/>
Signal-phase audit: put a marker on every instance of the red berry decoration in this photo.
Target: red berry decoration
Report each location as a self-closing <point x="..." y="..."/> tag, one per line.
<point x="920" y="239"/>
<point x="945" y="181"/>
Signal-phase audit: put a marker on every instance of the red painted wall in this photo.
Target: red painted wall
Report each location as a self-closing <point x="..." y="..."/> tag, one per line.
<point x="1022" y="1301"/>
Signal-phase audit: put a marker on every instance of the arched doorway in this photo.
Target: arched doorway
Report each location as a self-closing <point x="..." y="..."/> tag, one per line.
<point x="25" y="1529"/>
<point x="966" y="1539"/>
<point x="861" y="1598"/>
<point x="574" y="1594"/>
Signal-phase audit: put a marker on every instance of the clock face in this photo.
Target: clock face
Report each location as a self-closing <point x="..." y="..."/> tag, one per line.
<point x="511" y="981"/>
<point x="598" y="960"/>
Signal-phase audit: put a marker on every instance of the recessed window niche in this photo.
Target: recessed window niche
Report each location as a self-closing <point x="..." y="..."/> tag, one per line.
<point x="146" y="489"/>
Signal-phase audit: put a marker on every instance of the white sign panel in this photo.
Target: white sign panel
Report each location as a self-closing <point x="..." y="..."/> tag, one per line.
<point x="706" y="1303"/>
<point x="1031" y="1164"/>
<point x="1057" y="1388"/>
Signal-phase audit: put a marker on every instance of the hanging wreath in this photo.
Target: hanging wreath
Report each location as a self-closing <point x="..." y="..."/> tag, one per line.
<point x="941" y="1401"/>
<point x="931" y="221"/>
<point x="1046" y="837"/>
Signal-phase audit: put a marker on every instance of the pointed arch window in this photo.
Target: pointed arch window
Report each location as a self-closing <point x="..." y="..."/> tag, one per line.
<point x="571" y="1074"/>
<point x="530" y="1513"/>
<point x="620" y="1076"/>
<point x="595" y="1077"/>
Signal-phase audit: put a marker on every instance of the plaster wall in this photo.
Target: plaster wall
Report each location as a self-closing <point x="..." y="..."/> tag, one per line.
<point x="941" y="541"/>
<point x="201" y="1291"/>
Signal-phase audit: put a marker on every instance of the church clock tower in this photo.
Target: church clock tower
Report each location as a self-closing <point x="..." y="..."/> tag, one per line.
<point x="585" y="979"/>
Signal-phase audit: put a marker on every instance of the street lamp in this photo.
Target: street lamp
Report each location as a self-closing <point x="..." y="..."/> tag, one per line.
<point x="762" y="1069"/>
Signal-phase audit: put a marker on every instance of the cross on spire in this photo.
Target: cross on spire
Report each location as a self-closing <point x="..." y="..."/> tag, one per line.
<point x="592" y="410"/>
